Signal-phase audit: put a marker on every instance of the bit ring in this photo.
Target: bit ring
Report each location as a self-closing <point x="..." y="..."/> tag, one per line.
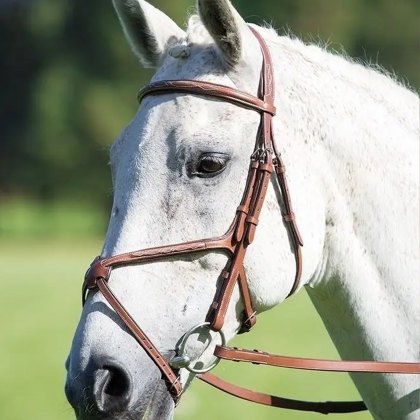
<point x="188" y="363"/>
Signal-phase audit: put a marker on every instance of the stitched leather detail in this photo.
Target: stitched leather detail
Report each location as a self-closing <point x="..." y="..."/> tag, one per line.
<point x="213" y="90"/>
<point x="264" y="358"/>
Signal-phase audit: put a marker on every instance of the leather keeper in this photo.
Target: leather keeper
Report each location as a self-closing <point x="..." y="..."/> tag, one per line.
<point x="288" y="218"/>
<point x="280" y="169"/>
<point x="96" y="271"/>
<point x="267" y="167"/>
<point x="252" y="220"/>
<point x="242" y="209"/>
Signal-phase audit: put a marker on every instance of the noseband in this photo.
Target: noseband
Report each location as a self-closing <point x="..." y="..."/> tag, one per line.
<point x="265" y="160"/>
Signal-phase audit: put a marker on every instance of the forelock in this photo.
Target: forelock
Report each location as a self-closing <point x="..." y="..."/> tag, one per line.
<point x="197" y="32"/>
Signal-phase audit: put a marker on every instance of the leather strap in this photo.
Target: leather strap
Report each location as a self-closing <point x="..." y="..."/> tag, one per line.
<point x="289" y="218"/>
<point x="171" y="378"/>
<point x="200" y="88"/>
<point x="250" y="316"/>
<point x="257" y="357"/>
<point x="327" y="407"/>
<point x="250" y="208"/>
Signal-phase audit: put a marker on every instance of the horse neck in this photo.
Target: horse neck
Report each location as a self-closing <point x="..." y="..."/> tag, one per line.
<point x="356" y="131"/>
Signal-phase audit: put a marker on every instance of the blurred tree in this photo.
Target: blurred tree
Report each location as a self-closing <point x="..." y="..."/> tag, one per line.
<point x="19" y="64"/>
<point x="69" y="80"/>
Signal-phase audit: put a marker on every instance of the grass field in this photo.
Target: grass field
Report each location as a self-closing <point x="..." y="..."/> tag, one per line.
<point x="40" y="306"/>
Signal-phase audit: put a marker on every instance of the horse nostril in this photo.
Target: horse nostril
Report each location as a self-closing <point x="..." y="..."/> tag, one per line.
<point x="118" y="384"/>
<point x="112" y="388"/>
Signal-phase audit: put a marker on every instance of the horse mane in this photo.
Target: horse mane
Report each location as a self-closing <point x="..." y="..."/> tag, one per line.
<point x="360" y="75"/>
<point x="318" y="51"/>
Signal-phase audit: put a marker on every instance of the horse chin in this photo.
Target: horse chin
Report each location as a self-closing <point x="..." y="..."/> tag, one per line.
<point x="161" y="405"/>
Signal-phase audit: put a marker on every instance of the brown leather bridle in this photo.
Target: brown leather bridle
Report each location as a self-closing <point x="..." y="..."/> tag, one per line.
<point x="265" y="160"/>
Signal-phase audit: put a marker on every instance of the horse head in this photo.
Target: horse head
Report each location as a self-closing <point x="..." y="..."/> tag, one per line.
<point x="179" y="170"/>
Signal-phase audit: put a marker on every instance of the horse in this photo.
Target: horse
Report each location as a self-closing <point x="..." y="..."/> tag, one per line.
<point x="349" y="136"/>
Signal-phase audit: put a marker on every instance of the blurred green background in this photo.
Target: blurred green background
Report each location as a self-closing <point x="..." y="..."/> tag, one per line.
<point x="68" y="86"/>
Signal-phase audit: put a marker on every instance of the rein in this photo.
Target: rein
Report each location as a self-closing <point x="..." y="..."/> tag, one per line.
<point x="264" y="161"/>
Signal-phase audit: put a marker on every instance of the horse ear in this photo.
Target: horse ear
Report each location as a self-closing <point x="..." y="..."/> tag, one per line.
<point x="148" y="30"/>
<point x="228" y="29"/>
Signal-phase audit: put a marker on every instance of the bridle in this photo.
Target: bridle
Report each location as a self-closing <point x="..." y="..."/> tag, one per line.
<point x="264" y="161"/>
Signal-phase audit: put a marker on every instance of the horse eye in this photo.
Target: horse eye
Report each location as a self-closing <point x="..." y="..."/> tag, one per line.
<point x="212" y="164"/>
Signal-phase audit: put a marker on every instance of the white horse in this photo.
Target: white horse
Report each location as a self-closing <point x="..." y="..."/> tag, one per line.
<point x="350" y="138"/>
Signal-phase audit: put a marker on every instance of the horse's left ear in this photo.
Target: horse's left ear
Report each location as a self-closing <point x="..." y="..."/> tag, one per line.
<point x="148" y="30"/>
<point x="229" y="31"/>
